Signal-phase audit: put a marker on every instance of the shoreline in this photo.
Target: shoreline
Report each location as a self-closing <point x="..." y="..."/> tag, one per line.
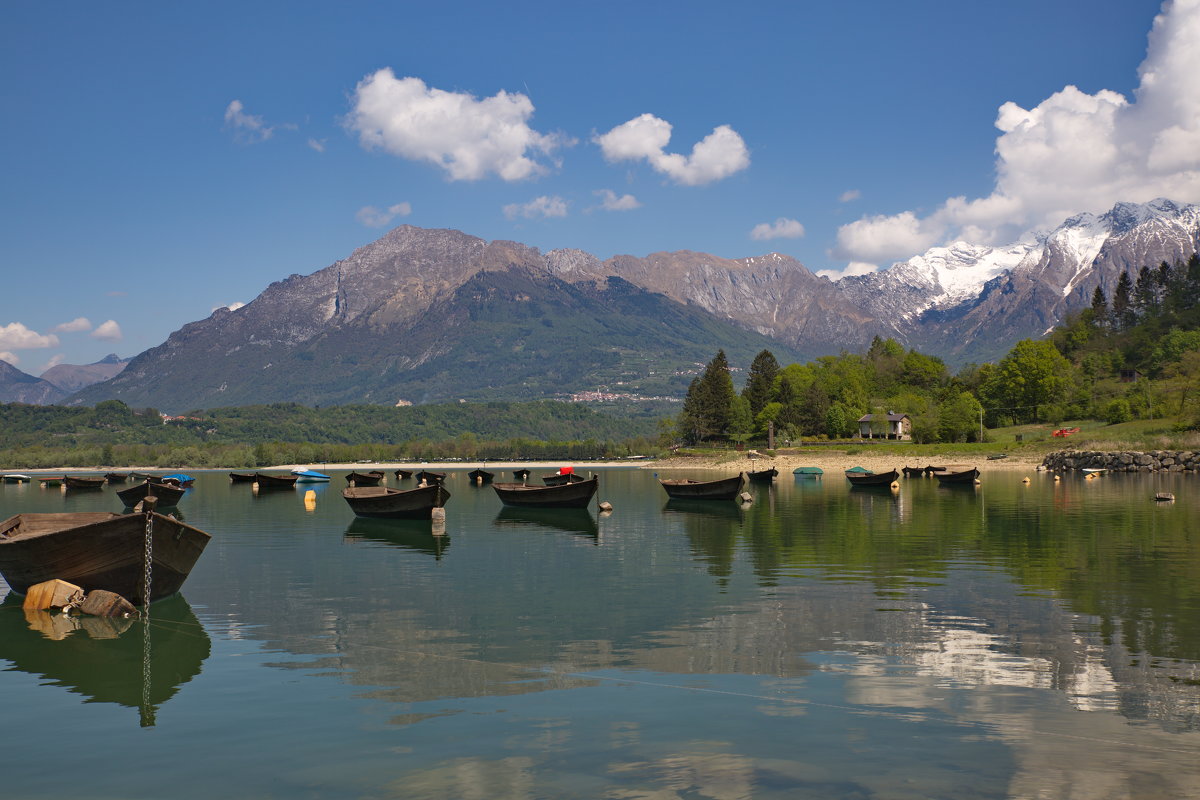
<point x="832" y="462"/>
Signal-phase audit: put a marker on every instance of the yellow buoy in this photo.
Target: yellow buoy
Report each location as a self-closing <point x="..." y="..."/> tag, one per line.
<point x="1026" y="479"/>
<point x="310" y="500"/>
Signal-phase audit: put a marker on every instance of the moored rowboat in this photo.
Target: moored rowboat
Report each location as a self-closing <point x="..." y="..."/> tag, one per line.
<point x="721" y="489"/>
<point x="98" y="550"/>
<point x="371" y="478"/>
<point x="957" y="475"/>
<point x="382" y="502"/>
<point x="868" y="478"/>
<point x="74" y="482"/>
<point x="167" y="495"/>
<point x="567" y="495"/>
<point x="265" y="480"/>
<point x="762" y="475"/>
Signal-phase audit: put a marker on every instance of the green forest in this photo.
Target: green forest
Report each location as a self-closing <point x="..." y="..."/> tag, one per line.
<point x="1136" y="356"/>
<point x="113" y="434"/>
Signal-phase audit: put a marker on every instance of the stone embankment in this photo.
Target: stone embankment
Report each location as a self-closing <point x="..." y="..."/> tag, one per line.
<point x="1124" y="460"/>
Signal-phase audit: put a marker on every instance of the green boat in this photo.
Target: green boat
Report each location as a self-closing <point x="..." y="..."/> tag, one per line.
<point x="808" y="472"/>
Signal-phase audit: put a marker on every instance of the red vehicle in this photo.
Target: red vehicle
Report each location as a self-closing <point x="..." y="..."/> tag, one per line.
<point x="1064" y="432"/>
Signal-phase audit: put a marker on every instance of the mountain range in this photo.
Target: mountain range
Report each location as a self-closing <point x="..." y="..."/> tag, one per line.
<point x="55" y="383"/>
<point x="426" y="315"/>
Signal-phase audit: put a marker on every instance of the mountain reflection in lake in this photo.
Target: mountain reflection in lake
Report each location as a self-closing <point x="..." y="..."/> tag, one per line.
<point x="992" y="641"/>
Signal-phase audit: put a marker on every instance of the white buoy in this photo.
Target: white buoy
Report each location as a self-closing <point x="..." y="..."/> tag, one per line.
<point x="606" y="506"/>
<point x="438" y="514"/>
<point x="745" y="497"/>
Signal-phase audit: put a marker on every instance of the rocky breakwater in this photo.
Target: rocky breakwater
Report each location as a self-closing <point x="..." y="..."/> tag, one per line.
<point x="1124" y="460"/>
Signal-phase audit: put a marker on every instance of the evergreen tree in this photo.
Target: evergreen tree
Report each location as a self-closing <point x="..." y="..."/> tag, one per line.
<point x="708" y="405"/>
<point x="1099" y="307"/>
<point x="1145" y="293"/>
<point x="1122" y="311"/>
<point x="760" y="381"/>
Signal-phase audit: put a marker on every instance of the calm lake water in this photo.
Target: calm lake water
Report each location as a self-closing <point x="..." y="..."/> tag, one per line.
<point x="1004" y="641"/>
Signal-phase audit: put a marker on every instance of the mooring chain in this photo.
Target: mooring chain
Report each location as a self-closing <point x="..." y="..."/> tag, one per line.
<point x="147" y="710"/>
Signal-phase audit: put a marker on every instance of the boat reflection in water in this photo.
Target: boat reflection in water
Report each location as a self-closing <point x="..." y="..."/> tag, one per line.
<point x="104" y="658"/>
<point x="571" y="520"/>
<point x="705" y="508"/>
<point x="411" y="534"/>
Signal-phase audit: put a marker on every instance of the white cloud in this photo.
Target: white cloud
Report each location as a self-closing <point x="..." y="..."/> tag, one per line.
<point x="15" y="336"/>
<point x="781" y="228"/>
<point x="716" y="156"/>
<point x="75" y="325"/>
<point x="109" y="331"/>
<point x="848" y="195"/>
<point x="230" y="306"/>
<point x="247" y="128"/>
<point x="54" y="361"/>
<point x="466" y="137"/>
<point x="609" y="201"/>
<point x="538" y="207"/>
<point x="1072" y="152"/>
<point x="374" y="217"/>
<point x="853" y="268"/>
<point x="9" y="357"/>
<point x="317" y="144"/>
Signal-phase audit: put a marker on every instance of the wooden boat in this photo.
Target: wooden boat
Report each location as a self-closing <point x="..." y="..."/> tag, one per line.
<point x="50" y="482"/>
<point x="385" y="503"/>
<point x="403" y="474"/>
<point x="868" y="478"/>
<point x="560" y="479"/>
<point x="808" y="472"/>
<point x="98" y="550"/>
<point x="15" y="477"/>
<point x="178" y="479"/>
<point x="242" y="477"/>
<point x="567" y="495"/>
<point x="930" y="470"/>
<point x="425" y="476"/>
<point x="167" y="495"/>
<point x="521" y="474"/>
<point x="143" y="476"/>
<point x="721" y="489"/>
<point x="957" y="475"/>
<point x="913" y="472"/>
<point x="73" y="482"/>
<point x="762" y="475"/>
<point x="310" y="476"/>
<point x="371" y="478"/>
<point x="116" y="477"/>
<point x="481" y="476"/>
<point x="266" y="480"/>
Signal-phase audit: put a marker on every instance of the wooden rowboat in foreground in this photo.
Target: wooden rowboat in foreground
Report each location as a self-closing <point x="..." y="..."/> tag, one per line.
<point x="98" y="550"/>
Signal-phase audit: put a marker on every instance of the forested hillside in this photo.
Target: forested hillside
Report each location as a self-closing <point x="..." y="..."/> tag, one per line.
<point x="1136" y="357"/>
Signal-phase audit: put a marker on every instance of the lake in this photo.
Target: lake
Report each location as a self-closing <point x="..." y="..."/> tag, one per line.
<point x="999" y="641"/>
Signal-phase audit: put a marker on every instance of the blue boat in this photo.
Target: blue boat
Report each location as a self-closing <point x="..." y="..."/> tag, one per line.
<point x="182" y="478"/>
<point x="310" y="476"/>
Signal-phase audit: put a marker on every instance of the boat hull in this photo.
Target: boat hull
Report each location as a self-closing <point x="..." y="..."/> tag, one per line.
<point x="568" y="495"/>
<point x="167" y="495"/>
<point x="83" y="483"/>
<point x="378" y="502"/>
<point x="762" y="476"/>
<point x="98" y="550"/>
<point x="723" y="489"/>
<point x="873" y="478"/>
<point x="961" y="476"/>
<point x="365" y="478"/>
<point x="266" y="481"/>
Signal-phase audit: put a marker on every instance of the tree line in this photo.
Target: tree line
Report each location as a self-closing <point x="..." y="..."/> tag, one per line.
<point x="1136" y="357"/>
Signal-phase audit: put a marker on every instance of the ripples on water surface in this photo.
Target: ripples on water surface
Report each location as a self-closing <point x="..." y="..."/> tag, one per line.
<point x="1000" y="641"/>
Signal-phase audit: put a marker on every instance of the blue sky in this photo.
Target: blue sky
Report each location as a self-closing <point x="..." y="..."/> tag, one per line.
<point x="164" y="159"/>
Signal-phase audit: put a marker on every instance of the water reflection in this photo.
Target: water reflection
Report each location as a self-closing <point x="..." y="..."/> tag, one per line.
<point x="103" y="659"/>
<point x="571" y="520"/>
<point x="411" y="534"/>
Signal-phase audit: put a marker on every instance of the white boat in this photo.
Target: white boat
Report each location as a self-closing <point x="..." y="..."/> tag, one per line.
<point x="1093" y="471"/>
<point x="15" y="477"/>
